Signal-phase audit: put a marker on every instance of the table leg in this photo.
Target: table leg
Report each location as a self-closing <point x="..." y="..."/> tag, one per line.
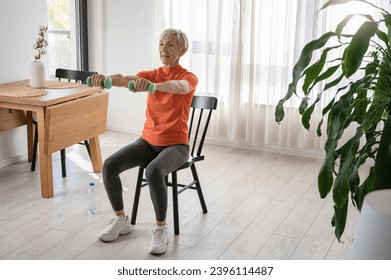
<point x="45" y="160"/>
<point x="96" y="155"/>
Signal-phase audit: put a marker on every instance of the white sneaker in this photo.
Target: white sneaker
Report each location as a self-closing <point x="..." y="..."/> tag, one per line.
<point x="118" y="226"/>
<point x="159" y="241"/>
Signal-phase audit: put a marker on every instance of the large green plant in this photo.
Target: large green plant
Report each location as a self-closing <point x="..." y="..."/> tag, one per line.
<point x="360" y="83"/>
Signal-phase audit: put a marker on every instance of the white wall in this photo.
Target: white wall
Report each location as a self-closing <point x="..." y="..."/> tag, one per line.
<point x="122" y="40"/>
<point x="19" y="21"/>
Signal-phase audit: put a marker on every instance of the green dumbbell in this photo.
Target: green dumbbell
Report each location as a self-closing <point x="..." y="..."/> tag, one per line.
<point x="151" y="87"/>
<point x="107" y="83"/>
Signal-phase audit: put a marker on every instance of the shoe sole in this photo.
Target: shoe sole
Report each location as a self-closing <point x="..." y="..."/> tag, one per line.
<point x="158" y="252"/>
<point x="115" y="238"/>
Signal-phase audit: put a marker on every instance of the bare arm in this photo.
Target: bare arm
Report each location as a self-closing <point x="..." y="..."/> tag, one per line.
<point x="117" y="80"/>
<point x="120" y="80"/>
<point x="174" y="86"/>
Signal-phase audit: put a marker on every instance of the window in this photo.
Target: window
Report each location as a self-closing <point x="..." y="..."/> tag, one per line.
<point x="232" y="39"/>
<point x="67" y="35"/>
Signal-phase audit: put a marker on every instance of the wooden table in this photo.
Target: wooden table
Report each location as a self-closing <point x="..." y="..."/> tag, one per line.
<point x="65" y="117"/>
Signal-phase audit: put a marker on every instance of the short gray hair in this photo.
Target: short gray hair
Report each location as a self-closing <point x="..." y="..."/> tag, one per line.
<point x="183" y="42"/>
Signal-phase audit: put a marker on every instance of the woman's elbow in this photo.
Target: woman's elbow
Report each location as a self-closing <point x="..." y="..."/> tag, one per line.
<point x="183" y="87"/>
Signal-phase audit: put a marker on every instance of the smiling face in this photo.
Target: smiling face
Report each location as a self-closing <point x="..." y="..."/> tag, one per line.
<point x="169" y="50"/>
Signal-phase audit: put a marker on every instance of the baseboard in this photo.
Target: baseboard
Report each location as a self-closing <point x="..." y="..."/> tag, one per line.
<point x="268" y="149"/>
<point x="123" y="129"/>
<point x="11" y="160"/>
<point x="213" y="141"/>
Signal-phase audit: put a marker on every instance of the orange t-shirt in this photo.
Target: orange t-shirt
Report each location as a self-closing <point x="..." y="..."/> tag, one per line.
<point x="167" y="114"/>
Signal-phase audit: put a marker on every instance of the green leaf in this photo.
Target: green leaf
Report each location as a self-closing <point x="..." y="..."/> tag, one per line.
<point x="303" y="105"/>
<point x="354" y="179"/>
<point x="380" y="99"/>
<point x="360" y="107"/>
<point x="373" y="67"/>
<point x="348" y="152"/>
<point x="306" y="115"/>
<point x="333" y="83"/>
<point x="319" y="128"/>
<point x="339" y="219"/>
<point x="279" y="113"/>
<point x="339" y="113"/>
<point x="383" y="159"/>
<point x="325" y="75"/>
<point x="389" y="31"/>
<point x="324" y="112"/>
<point x="358" y="47"/>
<point x="335" y="127"/>
<point x="300" y="66"/>
<point x="325" y="176"/>
<point x="306" y="55"/>
<point x="312" y="72"/>
<point x="366" y="187"/>
<point x="343" y="23"/>
<point x="305" y="120"/>
<point x="387" y="20"/>
<point x="382" y="36"/>
<point x="337" y="2"/>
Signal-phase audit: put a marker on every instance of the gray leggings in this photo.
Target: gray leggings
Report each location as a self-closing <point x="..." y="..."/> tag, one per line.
<point x="160" y="162"/>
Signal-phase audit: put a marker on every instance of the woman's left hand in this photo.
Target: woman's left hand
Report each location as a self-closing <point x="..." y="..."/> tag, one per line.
<point x="141" y="84"/>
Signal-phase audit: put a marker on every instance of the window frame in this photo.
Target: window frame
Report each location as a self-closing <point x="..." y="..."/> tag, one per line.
<point x="82" y="34"/>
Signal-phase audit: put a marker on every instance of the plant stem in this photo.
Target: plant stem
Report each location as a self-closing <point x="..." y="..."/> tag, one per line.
<point x="383" y="159"/>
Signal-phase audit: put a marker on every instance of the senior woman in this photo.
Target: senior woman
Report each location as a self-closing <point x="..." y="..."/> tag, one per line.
<point x="163" y="145"/>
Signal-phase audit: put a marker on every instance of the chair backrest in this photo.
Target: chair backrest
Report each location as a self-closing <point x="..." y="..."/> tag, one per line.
<point x="200" y="121"/>
<point x="74" y="75"/>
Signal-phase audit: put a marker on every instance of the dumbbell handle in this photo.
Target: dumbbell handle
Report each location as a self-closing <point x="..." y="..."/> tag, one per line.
<point x="107" y="83"/>
<point x="151" y="87"/>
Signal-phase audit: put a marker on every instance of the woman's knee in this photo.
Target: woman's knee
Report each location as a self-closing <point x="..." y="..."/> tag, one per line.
<point x="153" y="172"/>
<point x="109" y="167"/>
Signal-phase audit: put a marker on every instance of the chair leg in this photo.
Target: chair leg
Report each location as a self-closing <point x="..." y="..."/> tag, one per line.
<point x="175" y="202"/>
<point x="137" y="195"/>
<point x="63" y="164"/>
<point x="87" y="147"/>
<point x="199" y="190"/>
<point x="34" y="155"/>
<point x="35" y="147"/>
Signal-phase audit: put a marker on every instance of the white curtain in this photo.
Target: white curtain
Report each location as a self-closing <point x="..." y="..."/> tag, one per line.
<point x="243" y="52"/>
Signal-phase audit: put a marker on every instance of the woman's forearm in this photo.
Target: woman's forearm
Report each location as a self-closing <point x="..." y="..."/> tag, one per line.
<point x="175" y="86"/>
<point x="120" y="80"/>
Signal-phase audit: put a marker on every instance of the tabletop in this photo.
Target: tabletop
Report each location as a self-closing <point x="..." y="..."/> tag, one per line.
<point x="53" y="96"/>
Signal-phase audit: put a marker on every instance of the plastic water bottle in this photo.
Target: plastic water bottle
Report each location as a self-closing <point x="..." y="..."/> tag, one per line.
<point x="92" y="199"/>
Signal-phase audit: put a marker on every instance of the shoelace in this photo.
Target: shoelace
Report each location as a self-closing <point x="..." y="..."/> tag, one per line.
<point x="113" y="222"/>
<point x="157" y="234"/>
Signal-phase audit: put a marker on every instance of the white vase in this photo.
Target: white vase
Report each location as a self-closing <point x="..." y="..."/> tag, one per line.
<point x="373" y="233"/>
<point x="37" y="74"/>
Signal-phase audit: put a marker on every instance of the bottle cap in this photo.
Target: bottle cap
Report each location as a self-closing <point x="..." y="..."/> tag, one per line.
<point x="92" y="184"/>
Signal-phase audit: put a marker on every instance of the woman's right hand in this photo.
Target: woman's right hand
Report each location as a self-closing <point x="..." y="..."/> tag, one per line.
<point x="98" y="79"/>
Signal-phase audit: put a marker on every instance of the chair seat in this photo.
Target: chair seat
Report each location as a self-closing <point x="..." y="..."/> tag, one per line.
<point x="190" y="162"/>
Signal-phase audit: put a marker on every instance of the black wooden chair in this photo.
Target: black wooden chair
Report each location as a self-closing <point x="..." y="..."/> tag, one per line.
<point x="70" y="75"/>
<point x="199" y="122"/>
